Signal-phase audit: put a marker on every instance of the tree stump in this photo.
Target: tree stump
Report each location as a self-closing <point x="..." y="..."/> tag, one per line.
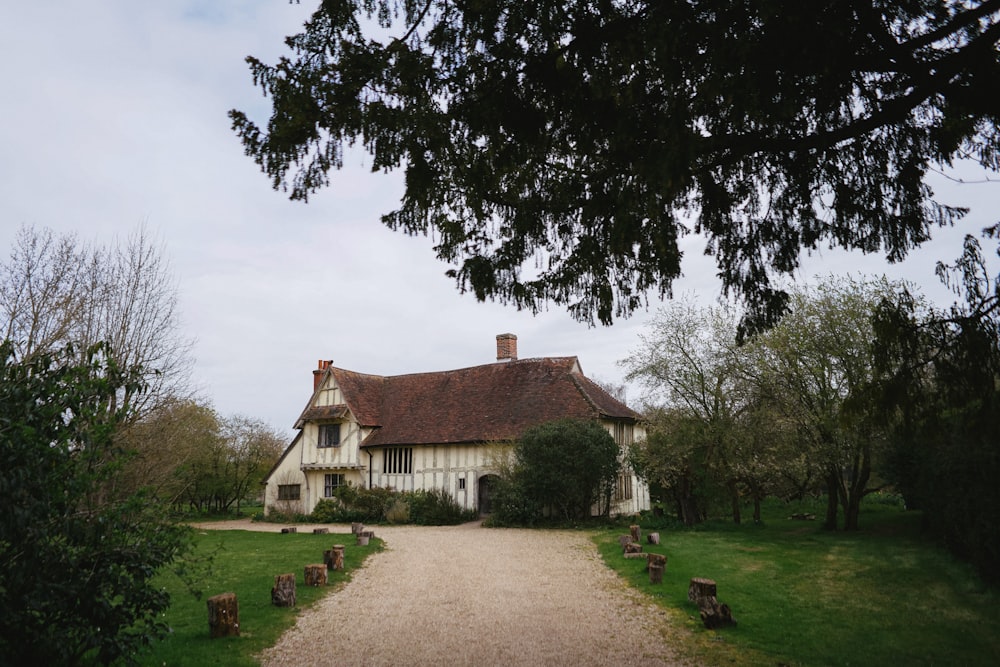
<point x="316" y="574"/>
<point x="223" y="616"/>
<point x="283" y="593"/>
<point x="633" y="548"/>
<point x="635" y="556"/>
<point x="367" y="533"/>
<point x="701" y="588"/>
<point x="653" y="538"/>
<point x="357" y="528"/>
<point x="320" y="531"/>
<point x="362" y="540"/>
<point x="715" y="615"/>
<point x="636" y="532"/>
<point x="334" y="558"/>
<point x="656" y="573"/>
<point x="625" y="539"/>
<point x="653" y="560"/>
<point x="338" y="557"/>
<point x="285" y="531"/>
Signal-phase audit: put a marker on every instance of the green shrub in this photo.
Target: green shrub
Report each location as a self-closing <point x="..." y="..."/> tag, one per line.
<point x="427" y="508"/>
<point x="398" y="512"/>
<point x="364" y="505"/>
<point x="512" y="506"/>
<point x="436" y="507"/>
<point x="327" y="511"/>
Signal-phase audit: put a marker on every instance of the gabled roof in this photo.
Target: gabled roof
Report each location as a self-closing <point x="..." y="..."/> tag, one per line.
<point x="478" y="404"/>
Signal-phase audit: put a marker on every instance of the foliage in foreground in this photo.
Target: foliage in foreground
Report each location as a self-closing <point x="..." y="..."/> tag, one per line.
<point x="941" y="400"/>
<point x="245" y="563"/>
<point x="806" y="596"/>
<point x="76" y="555"/>
<point x="588" y="138"/>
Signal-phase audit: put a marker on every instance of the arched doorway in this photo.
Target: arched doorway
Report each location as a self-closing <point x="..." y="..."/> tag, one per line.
<point x="487" y="483"/>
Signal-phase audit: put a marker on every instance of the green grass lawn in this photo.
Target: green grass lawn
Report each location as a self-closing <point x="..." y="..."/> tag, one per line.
<point x="245" y="563"/>
<point x="804" y="596"/>
<point x="801" y="595"/>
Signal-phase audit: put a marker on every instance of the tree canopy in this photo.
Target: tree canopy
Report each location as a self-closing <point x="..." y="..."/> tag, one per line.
<point x="77" y="553"/>
<point x="557" y="151"/>
<point x="941" y="403"/>
<point x="794" y="404"/>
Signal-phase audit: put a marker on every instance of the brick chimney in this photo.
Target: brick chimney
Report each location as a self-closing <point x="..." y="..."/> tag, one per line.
<point x="321" y="367"/>
<point x="506" y="347"/>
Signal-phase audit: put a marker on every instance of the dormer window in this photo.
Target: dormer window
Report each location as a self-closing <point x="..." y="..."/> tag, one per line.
<point x="329" y="435"/>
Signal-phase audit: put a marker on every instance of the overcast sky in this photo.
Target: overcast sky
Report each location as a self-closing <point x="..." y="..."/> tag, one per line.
<point x="113" y="113"/>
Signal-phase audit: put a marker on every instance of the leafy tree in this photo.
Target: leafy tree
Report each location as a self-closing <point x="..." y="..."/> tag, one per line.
<point x="567" y="466"/>
<point x="820" y="361"/>
<point x="941" y="399"/>
<point x="672" y="458"/>
<point x="251" y="447"/>
<point x="716" y="428"/>
<point x="170" y="444"/>
<point x="77" y="554"/>
<point x="558" y="150"/>
<point x="689" y="361"/>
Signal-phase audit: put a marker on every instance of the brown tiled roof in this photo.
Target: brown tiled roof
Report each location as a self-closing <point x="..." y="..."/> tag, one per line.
<point x="324" y="412"/>
<point x="479" y="404"/>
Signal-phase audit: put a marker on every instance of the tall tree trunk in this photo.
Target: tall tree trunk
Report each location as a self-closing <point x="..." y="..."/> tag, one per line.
<point x="734" y="497"/>
<point x="832" y="499"/>
<point x="862" y="473"/>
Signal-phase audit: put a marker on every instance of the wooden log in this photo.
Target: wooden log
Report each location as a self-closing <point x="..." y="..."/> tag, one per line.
<point x="636" y="532"/>
<point x="320" y="531"/>
<point x="223" y="616"/>
<point x="715" y="615"/>
<point x="656" y="574"/>
<point x="701" y="588"/>
<point x="338" y="557"/>
<point x="367" y="533"/>
<point x="654" y="560"/>
<point x="653" y="538"/>
<point x="285" y="531"/>
<point x="315" y="574"/>
<point x="633" y="548"/>
<point x="283" y="593"/>
<point x="624" y="539"/>
<point x="357" y="528"/>
<point x="635" y="556"/>
<point x="362" y="540"/>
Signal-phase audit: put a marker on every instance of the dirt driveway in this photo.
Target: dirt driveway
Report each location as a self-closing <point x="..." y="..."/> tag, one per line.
<point x="467" y="595"/>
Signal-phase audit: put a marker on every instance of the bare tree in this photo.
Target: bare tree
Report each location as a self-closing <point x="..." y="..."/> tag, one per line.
<point x="41" y="291"/>
<point x="55" y="290"/>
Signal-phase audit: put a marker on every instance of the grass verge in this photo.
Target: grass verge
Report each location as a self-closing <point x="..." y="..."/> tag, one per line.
<point x="245" y="563"/>
<point x="804" y="596"/>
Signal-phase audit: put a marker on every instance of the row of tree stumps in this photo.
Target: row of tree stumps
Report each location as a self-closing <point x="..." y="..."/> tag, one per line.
<point x="223" y="609"/>
<point x="701" y="591"/>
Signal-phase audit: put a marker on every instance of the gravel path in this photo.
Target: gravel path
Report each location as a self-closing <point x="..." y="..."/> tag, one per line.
<point x="466" y="595"/>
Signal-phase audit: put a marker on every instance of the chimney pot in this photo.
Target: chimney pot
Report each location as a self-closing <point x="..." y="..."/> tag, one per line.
<point x="321" y="367"/>
<point x="506" y="347"/>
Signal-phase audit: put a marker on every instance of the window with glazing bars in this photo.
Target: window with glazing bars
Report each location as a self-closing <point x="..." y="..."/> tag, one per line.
<point x="397" y="460"/>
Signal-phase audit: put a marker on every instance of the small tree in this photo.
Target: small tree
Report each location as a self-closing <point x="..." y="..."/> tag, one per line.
<point x="567" y="466"/>
<point x="77" y="553"/>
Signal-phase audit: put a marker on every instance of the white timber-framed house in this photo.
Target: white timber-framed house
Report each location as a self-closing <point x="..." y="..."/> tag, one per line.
<point x="439" y="430"/>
